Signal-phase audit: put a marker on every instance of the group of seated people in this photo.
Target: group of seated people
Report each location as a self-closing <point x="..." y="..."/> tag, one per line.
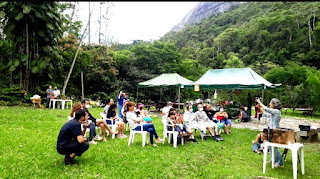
<point x="204" y="119"/>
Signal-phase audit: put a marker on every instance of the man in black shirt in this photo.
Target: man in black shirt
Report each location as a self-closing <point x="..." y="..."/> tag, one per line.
<point x="209" y="111"/>
<point x="70" y="141"/>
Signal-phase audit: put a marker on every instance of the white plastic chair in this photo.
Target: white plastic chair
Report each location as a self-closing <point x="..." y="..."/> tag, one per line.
<point x="112" y="126"/>
<point x="173" y="133"/>
<point x="133" y="132"/>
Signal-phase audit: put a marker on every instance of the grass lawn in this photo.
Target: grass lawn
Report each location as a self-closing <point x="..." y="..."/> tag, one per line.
<point x="28" y="150"/>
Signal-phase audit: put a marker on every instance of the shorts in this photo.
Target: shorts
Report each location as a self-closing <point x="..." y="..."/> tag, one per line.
<point x="147" y="119"/>
<point x="111" y="122"/>
<point x="225" y="121"/>
<point x="218" y="123"/>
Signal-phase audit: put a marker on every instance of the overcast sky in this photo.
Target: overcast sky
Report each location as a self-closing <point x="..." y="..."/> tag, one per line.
<point x="134" y="20"/>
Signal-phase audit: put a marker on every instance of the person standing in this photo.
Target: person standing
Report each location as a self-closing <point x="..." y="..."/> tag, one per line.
<point x="56" y="93"/>
<point x="49" y="93"/>
<point x="70" y="141"/>
<point x="274" y="123"/>
<point x="121" y="98"/>
<point x="249" y="104"/>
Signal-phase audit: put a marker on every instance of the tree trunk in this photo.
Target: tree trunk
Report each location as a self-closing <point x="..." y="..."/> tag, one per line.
<point x="314" y="19"/>
<point x="82" y="86"/>
<point x="27" y="62"/>
<point x="298" y="24"/>
<point x="73" y="8"/>
<point x="75" y="57"/>
<point x="310" y="42"/>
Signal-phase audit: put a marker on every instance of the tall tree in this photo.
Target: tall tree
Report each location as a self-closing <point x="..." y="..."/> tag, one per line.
<point x="35" y="28"/>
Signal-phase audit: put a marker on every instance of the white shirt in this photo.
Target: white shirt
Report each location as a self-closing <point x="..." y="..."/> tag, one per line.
<point x="131" y="117"/>
<point x="166" y="110"/>
<point x="56" y="93"/>
<point x="189" y="117"/>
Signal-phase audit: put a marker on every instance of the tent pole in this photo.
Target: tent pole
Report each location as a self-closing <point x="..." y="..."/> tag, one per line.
<point x="137" y="93"/>
<point x="179" y="99"/>
<point x="262" y="95"/>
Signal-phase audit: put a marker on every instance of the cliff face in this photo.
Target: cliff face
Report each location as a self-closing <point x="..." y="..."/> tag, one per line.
<point x="201" y="11"/>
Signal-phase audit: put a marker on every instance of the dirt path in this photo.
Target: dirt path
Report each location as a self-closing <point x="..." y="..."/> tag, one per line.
<point x="292" y="123"/>
<point x="254" y="124"/>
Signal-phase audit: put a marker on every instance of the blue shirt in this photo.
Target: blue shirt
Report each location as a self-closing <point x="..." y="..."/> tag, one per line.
<point x="120" y="101"/>
<point x="48" y="93"/>
<point x="69" y="132"/>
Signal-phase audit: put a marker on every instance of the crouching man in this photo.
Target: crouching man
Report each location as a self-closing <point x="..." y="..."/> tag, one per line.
<point x="70" y="141"/>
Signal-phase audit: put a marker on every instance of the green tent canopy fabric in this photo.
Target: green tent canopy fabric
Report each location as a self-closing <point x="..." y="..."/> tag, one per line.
<point x="233" y="78"/>
<point x="166" y="79"/>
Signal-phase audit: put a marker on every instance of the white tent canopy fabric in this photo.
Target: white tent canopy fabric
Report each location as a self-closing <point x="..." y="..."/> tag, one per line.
<point x="233" y="78"/>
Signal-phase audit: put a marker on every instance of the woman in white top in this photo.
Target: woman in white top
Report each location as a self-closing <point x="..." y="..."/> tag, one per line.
<point x="134" y="122"/>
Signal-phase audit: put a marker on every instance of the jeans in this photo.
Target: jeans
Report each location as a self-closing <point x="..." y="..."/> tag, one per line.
<point x="120" y="110"/>
<point x="249" y="112"/>
<point x="150" y="128"/>
<point x="256" y="146"/>
<point x="48" y="101"/>
<point x="73" y="147"/>
<point x="278" y="157"/>
<point x="178" y="128"/>
<point x="92" y="128"/>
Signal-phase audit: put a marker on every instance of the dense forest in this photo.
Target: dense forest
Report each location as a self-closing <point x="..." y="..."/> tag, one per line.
<point x="278" y="40"/>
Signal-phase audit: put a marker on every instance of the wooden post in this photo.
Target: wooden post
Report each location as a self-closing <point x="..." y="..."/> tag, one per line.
<point x="82" y="85"/>
<point x="75" y="57"/>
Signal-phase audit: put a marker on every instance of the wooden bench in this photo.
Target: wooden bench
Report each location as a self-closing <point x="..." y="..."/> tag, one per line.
<point x="307" y="111"/>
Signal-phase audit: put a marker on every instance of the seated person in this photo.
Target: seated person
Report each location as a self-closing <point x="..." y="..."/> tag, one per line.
<point x="211" y="114"/>
<point x="75" y="108"/>
<point x="223" y="117"/>
<point x="206" y="123"/>
<point x="190" y="118"/>
<point x="133" y="121"/>
<point x="109" y="103"/>
<point x="260" y="138"/>
<point x="96" y="122"/>
<point x="70" y="141"/>
<point x="165" y="110"/>
<point x="112" y="114"/>
<point x="124" y="112"/>
<point x="142" y="113"/>
<point x="178" y="115"/>
<point x="243" y="116"/>
<point x="181" y="129"/>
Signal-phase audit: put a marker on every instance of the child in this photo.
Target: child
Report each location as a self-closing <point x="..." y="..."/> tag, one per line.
<point x="179" y="127"/>
<point x="257" y="143"/>
<point x="141" y="113"/>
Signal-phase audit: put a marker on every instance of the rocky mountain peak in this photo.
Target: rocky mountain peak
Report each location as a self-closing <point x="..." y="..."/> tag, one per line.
<point x="201" y="11"/>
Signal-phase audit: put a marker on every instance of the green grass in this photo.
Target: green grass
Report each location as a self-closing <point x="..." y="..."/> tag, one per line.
<point x="28" y="150"/>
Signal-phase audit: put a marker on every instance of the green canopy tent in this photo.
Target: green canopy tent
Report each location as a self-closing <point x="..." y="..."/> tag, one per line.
<point x="233" y="78"/>
<point x="167" y="79"/>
